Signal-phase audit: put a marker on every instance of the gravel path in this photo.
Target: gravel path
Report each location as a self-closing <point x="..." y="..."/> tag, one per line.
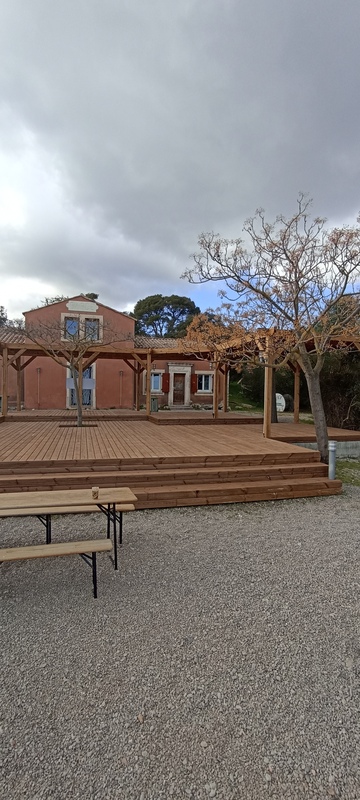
<point x="223" y="660"/>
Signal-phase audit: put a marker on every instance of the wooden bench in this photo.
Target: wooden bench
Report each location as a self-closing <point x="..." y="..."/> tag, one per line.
<point x="45" y="517"/>
<point x="111" y="501"/>
<point x="83" y="549"/>
<point x="35" y="512"/>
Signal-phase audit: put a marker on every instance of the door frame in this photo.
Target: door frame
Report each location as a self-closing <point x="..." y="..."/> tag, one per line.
<point x="183" y="369"/>
<point x="69" y="381"/>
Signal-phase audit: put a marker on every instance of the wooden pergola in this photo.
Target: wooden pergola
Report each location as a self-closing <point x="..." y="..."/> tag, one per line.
<point x="18" y="352"/>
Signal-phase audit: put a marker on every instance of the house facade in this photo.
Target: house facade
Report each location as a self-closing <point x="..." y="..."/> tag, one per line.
<point x="178" y="382"/>
<point x="106" y="383"/>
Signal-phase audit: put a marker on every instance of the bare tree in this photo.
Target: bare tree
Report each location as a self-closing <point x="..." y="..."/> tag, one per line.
<point x="74" y="344"/>
<point x="296" y="278"/>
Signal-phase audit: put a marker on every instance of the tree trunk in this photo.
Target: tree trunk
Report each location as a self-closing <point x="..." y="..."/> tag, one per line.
<point x="77" y="396"/>
<point x="317" y="408"/>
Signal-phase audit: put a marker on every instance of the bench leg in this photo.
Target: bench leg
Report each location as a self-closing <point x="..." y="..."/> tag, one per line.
<point x="90" y="560"/>
<point x="48" y="528"/>
<point x="94" y="575"/>
<point x="45" y="520"/>
<point x="120" y="527"/>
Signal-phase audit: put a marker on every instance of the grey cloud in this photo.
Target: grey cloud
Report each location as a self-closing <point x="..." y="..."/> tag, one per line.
<point x="164" y="119"/>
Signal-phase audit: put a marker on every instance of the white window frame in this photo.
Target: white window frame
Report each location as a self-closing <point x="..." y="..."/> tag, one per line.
<point x="210" y="375"/>
<point x="153" y="372"/>
<point x="63" y="324"/>
<point x="86" y="319"/>
<point x="82" y="319"/>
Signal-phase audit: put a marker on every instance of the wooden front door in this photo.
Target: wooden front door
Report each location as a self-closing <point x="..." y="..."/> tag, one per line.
<point x="179" y="389"/>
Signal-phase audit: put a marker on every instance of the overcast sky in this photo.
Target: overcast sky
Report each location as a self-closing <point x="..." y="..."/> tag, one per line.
<point x="127" y="127"/>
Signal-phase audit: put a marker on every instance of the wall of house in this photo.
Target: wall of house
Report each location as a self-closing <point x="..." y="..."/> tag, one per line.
<point x="12" y="385"/>
<point x="44" y="384"/>
<point x="114" y="384"/>
<point x="47" y="384"/>
<point x="45" y="380"/>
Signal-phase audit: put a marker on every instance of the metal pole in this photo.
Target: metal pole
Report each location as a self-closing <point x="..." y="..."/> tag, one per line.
<point x="332" y="460"/>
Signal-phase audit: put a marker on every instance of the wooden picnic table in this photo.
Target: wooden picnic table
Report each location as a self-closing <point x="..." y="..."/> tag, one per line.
<point x="43" y="504"/>
<point x="65" y="497"/>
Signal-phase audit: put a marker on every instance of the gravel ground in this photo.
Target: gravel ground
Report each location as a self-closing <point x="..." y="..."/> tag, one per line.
<point x="223" y="660"/>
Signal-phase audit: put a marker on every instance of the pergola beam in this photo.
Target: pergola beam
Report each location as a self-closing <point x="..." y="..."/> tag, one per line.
<point x="16" y="356"/>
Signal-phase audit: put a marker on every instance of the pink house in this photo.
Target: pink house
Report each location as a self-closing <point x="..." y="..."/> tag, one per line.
<point x="177" y="382"/>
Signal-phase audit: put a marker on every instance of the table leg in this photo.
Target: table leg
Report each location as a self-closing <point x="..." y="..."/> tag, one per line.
<point x="110" y="512"/>
<point x="120" y="527"/>
<point x="107" y="521"/>
<point x="115" y="539"/>
<point x="94" y="574"/>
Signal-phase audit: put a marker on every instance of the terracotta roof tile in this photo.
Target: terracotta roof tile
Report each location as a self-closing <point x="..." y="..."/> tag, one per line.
<point x="9" y="335"/>
<point x="155" y="342"/>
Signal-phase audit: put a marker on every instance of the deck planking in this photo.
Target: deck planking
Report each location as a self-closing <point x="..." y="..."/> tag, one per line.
<point x="165" y="465"/>
<point x="115" y="439"/>
<point x="301" y="432"/>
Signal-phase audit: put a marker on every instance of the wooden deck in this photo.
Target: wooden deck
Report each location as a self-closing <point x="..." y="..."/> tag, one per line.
<point x="134" y="439"/>
<point x="57" y="414"/>
<point x="283" y="431"/>
<point x="185" y="417"/>
<point x="289" y="432"/>
<point x="165" y="465"/>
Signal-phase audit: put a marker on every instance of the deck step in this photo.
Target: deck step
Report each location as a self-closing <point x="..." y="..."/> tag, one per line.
<point x="160" y="419"/>
<point x="235" y="493"/>
<point x="135" y="478"/>
<point x="232" y="487"/>
<point x="301" y="455"/>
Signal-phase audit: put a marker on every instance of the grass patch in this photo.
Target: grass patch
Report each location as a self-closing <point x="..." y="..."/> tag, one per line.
<point x="348" y="471"/>
<point x="240" y="402"/>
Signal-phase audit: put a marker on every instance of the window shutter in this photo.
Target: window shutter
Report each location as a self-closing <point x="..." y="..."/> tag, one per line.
<point x="194" y="384"/>
<point x="165" y="382"/>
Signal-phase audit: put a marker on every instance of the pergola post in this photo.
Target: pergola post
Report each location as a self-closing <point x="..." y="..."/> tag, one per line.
<point x="225" y="392"/>
<point x="137" y="387"/>
<point x="18" y="384"/>
<point x="80" y="383"/>
<point x="148" y="383"/>
<point x="296" y="393"/>
<point x="216" y="389"/>
<point x="268" y="388"/>
<point x="4" y="404"/>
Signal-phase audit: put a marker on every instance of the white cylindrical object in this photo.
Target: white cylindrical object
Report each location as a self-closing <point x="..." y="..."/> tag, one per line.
<point x="332" y="460"/>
